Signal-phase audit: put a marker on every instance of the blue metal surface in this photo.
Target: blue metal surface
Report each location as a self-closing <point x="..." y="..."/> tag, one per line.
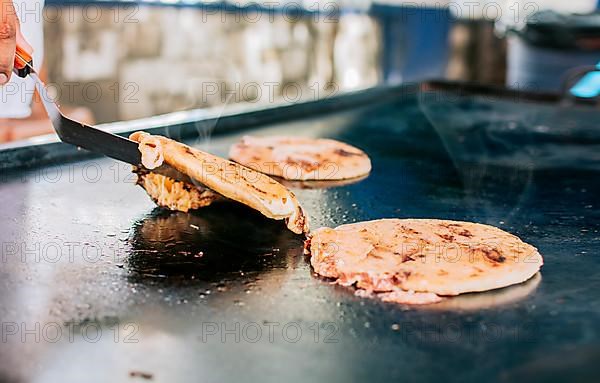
<point x="588" y="86"/>
<point x="415" y="41"/>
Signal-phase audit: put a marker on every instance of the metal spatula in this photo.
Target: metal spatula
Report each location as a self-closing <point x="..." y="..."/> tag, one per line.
<point x="73" y="132"/>
<point x="82" y="135"/>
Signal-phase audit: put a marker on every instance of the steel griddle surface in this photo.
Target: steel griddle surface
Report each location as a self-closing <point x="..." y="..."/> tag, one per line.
<point x="96" y="283"/>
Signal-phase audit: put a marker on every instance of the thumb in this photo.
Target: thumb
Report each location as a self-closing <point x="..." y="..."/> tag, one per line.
<point x="9" y="25"/>
<point x="21" y="40"/>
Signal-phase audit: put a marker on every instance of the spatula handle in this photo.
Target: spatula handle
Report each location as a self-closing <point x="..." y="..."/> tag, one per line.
<point x="23" y="61"/>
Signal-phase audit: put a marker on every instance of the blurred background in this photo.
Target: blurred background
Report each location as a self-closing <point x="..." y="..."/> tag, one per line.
<point x="119" y="61"/>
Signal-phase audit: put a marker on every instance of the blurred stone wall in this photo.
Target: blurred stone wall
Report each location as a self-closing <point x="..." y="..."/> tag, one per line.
<point x="477" y="54"/>
<point x="138" y="61"/>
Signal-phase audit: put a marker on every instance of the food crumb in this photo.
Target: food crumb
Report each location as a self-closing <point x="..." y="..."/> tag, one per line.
<point x="141" y="374"/>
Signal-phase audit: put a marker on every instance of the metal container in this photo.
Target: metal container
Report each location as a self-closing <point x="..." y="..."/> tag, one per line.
<point x="541" y="54"/>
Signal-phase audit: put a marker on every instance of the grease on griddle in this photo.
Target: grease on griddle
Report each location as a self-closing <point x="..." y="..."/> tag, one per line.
<point x="205" y="246"/>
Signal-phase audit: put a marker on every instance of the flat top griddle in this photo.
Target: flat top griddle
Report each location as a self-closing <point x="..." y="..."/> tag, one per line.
<point x="96" y="284"/>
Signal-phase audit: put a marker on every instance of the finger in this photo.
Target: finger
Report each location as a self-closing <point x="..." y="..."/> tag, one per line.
<point x="8" y="34"/>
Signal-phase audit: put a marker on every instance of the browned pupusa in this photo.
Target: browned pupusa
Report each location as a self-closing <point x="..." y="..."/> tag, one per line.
<point x="301" y="158"/>
<point x="172" y="194"/>
<point x="395" y="257"/>
<point x="224" y="177"/>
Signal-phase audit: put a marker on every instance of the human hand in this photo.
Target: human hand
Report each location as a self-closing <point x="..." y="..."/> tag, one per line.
<point x="10" y="36"/>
